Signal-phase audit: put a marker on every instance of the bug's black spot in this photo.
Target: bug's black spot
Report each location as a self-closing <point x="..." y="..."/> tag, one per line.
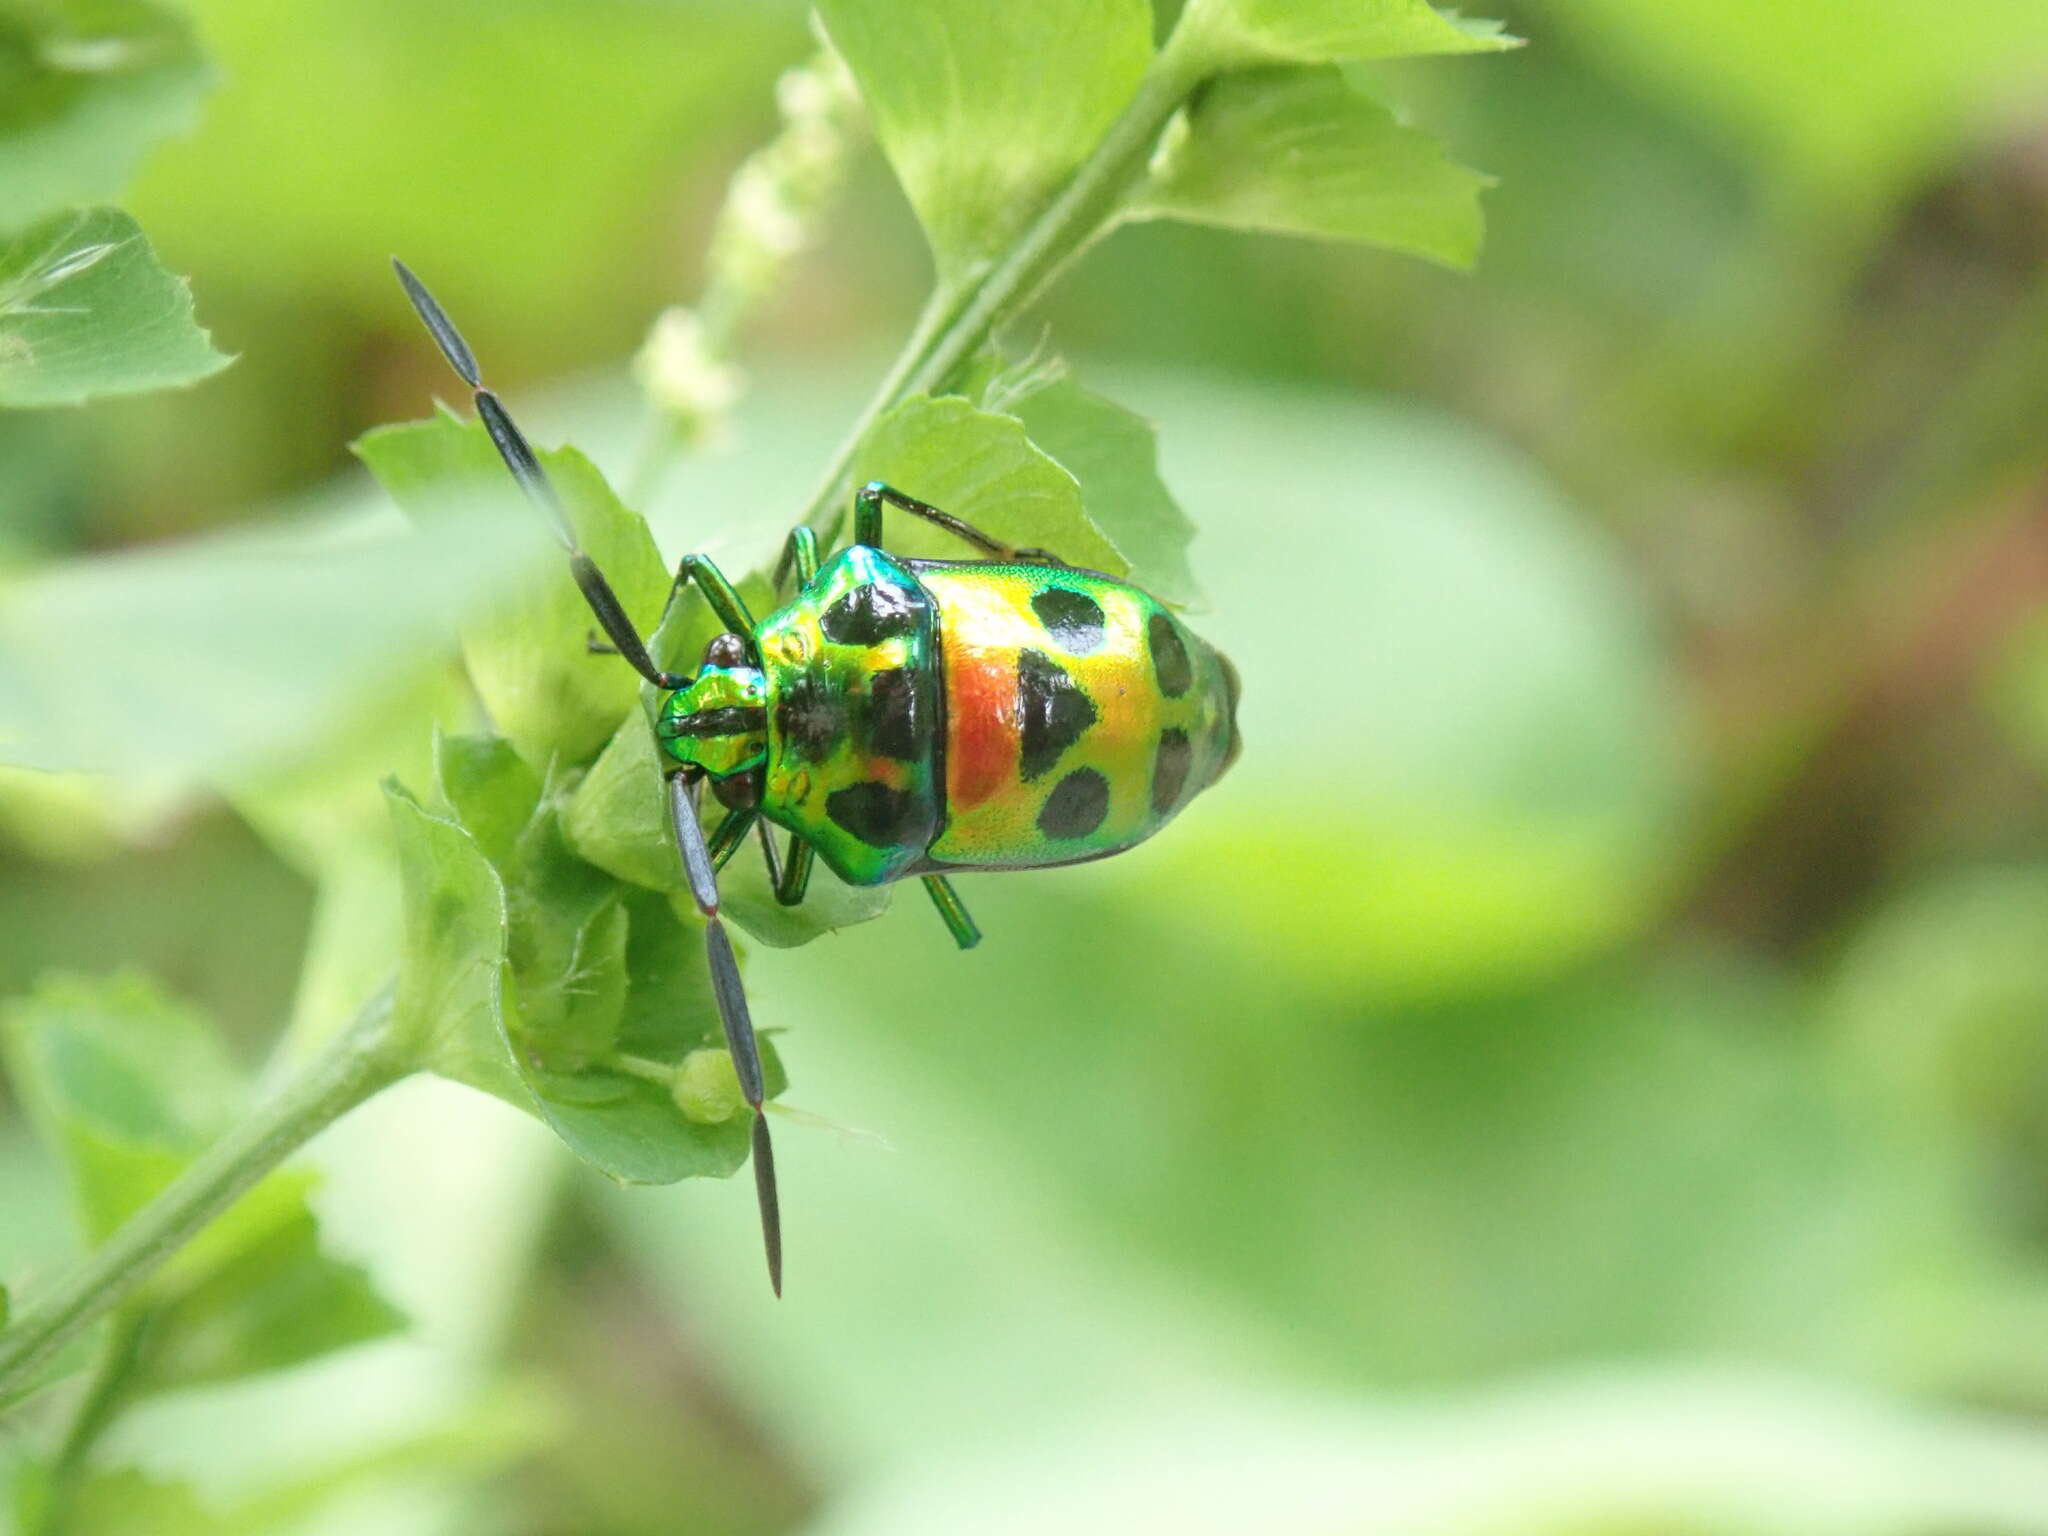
<point x="1170" y="769"/>
<point x="1073" y="619"/>
<point x="810" y="715"/>
<point x="1076" y="805"/>
<point x="1169" y="657"/>
<point x="898" y="725"/>
<point x="877" y="814"/>
<point x="1053" y="710"/>
<point x="869" y="614"/>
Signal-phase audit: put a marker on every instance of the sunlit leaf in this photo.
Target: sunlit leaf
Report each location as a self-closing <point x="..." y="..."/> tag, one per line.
<point x="1114" y="455"/>
<point x="1301" y="152"/>
<point x="530" y="658"/>
<point x="85" y="87"/>
<point x="1240" y="32"/>
<point x="984" y="110"/>
<point x="85" y="310"/>
<point x="981" y="467"/>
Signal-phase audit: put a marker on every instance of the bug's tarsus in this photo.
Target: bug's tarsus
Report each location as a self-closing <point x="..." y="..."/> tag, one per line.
<point x="525" y="465"/>
<point x="701" y="873"/>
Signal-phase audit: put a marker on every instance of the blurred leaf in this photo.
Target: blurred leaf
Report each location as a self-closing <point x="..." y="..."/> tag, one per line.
<point x="535" y="129"/>
<point x="1755" y="1454"/>
<point x="1905" y="81"/>
<point x="2015" y="689"/>
<point x="984" y="110"/>
<point x="116" y="1501"/>
<point x="125" y="1084"/>
<point x="1240" y="32"/>
<point x="1301" y="152"/>
<point x="1114" y="455"/>
<point x="232" y="654"/>
<point x="530" y="659"/>
<point x="980" y="467"/>
<point x="264" y="1296"/>
<point x="85" y="87"/>
<point x="85" y="310"/>
<point x="131" y="1088"/>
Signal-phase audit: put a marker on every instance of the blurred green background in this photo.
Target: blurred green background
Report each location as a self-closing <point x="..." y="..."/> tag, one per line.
<point x="1586" y="1070"/>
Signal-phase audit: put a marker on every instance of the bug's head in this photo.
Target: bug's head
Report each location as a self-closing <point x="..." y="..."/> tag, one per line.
<point x="719" y="721"/>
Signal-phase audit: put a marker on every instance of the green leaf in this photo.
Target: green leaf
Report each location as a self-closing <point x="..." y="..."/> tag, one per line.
<point x="131" y="1087"/>
<point x="116" y="1501"/>
<point x="980" y="466"/>
<point x="264" y="1298"/>
<point x="1300" y="152"/>
<point x="546" y="983"/>
<point x="530" y="658"/>
<point x="250" y="647"/>
<point x="451" y="999"/>
<point x="985" y="110"/>
<point x="127" y="1085"/>
<point x="1114" y="454"/>
<point x="85" y="310"/>
<point x="85" y="87"/>
<point x="1241" y="32"/>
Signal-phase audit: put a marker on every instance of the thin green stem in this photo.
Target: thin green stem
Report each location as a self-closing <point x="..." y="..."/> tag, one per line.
<point x="358" y="1063"/>
<point x="963" y="316"/>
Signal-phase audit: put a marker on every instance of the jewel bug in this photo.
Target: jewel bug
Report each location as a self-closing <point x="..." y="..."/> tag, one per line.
<point x="902" y="718"/>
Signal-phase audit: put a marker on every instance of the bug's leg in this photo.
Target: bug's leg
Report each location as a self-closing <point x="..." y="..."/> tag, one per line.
<point x="728" y="835"/>
<point x="519" y="458"/>
<point x="722" y="595"/>
<point x="952" y="911"/>
<point x="801" y="550"/>
<point x="768" y="854"/>
<point x="867" y="525"/>
<point x="796" y="873"/>
<point x="732" y="1005"/>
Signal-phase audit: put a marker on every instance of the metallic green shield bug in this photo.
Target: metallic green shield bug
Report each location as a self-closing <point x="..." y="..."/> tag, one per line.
<point x="904" y="718"/>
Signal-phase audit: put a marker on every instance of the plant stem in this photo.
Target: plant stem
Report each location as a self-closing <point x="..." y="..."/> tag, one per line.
<point x="357" y="1064"/>
<point x="961" y="317"/>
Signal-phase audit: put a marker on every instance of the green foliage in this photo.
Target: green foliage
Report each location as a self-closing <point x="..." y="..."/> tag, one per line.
<point x="251" y="649"/>
<point x="129" y="1088"/>
<point x="86" y="311"/>
<point x="1114" y="455"/>
<point x="1248" y="32"/>
<point x="985" y="110"/>
<point x="1301" y="151"/>
<point x="983" y="468"/>
<point x="537" y="977"/>
<point x="529" y="659"/>
<point x="86" y="86"/>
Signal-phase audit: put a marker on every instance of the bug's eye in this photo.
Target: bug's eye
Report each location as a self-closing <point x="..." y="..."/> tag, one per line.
<point x="726" y="650"/>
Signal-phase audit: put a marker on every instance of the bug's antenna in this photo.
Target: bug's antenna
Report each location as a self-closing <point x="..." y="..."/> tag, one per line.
<point x="732" y="1007"/>
<point x="520" y="458"/>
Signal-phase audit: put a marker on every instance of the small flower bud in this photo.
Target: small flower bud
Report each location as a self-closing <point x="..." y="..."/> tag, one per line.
<point x="706" y="1088"/>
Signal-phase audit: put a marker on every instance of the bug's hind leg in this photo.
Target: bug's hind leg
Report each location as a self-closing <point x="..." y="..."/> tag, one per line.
<point x="867" y="525"/>
<point x="952" y="911"/>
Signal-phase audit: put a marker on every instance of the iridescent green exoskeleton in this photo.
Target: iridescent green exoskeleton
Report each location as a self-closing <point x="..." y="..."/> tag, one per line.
<point x="905" y="718"/>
